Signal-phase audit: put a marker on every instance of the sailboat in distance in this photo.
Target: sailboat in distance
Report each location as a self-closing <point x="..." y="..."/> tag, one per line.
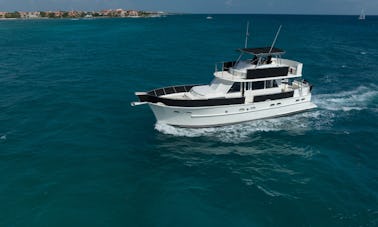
<point x="362" y="15"/>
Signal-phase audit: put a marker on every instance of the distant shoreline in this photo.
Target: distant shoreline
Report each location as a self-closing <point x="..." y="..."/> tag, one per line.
<point x="118" y="13"/>
<point x="80" y="18"/>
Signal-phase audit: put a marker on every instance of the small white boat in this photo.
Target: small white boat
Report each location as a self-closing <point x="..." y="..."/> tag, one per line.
<point x="209" y="17"/>
<point x="88" y="17"/>
<point x="362" y="15"/>
<point x="259" y="84"/>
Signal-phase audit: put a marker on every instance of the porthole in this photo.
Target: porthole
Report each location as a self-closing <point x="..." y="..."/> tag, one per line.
<point x="272" y="104"/>
<point x="176" y="111"/>
<point x="279" y="103"/>
<point x="297" y="100"/>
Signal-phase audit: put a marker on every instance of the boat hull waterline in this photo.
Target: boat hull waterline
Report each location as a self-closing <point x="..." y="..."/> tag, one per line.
<point x="201" y="117"/>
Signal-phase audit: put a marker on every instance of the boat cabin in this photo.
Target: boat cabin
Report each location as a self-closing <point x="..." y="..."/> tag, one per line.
<point x="259" y="74"/>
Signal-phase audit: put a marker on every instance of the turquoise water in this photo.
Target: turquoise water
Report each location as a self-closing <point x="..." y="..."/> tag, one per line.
<point x="73" y="152"/>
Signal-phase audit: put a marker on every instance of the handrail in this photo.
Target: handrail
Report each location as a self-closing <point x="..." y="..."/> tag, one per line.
<point x="171" y="90"/>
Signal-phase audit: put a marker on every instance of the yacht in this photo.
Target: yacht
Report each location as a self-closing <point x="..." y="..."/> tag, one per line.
<point x="259" y="84"/>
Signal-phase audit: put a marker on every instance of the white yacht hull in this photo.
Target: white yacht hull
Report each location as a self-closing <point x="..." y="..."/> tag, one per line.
<point x="198" y="117"/>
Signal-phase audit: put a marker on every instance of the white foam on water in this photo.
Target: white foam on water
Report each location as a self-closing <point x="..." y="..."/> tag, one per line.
<point x="318" y="119"/>
<point x="270" y="192"/>
<point x="226" y="133"/>
<point x="273" y="193"/>
<point x="177" y="131"/>
<point x="3" y="137"/>
<point x="357" y="99"/>
<point x="241" y="132"/>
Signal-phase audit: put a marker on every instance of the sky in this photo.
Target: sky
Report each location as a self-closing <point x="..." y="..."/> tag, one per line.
<point x="337" y="7"/>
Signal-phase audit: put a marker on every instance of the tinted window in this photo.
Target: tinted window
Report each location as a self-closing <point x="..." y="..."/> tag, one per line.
<point x="235" y="88"/>
<point x="258" y="85"/>
<point x="271" y="83"/>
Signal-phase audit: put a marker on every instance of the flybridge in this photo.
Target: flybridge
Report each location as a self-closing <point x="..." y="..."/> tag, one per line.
<point x="262" y="51"/>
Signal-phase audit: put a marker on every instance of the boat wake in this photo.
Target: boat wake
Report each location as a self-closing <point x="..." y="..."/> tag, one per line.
<point x="358" y="99"/>
<point x="322" y="118"/>
<point x="237" y="133"/>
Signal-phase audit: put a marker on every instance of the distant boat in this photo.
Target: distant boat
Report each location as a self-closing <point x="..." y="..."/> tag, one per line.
<point x="88" y="17"/>
<point x="362" y="15"/>
<point x="209" y="17"/>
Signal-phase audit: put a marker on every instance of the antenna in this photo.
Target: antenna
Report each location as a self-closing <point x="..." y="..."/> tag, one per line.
<point x="246" y="35"/>
<point x="275" y="39"/>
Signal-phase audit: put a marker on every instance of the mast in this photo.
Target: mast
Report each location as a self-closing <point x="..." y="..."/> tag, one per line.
<point x="275" y="38"/>
<point x="246" y="35"/>
<point x="245" y="44"/>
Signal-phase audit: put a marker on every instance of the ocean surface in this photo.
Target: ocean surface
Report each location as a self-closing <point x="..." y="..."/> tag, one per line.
<point x="73" y="152"/>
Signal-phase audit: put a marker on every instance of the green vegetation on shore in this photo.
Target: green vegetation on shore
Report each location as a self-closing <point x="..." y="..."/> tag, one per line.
<point x="12" y="15"/>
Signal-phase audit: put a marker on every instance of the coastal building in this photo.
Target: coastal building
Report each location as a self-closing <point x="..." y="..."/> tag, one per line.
<point x="104" y="13"/>
<point x="29" y="15"/>
<point x="72" y="13"/>
<point x="120" y="13"/>
<point x="58" y="13"/>
<point x="133" y="13"/>
<point x="22" y="14"/>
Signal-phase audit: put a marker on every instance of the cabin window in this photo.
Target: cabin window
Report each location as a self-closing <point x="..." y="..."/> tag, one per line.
<point x="247" y="86"/>
<point x="271" y="84"/>
<point x="235" y="88"/>
<point x="258" y="85"/>
<point x="268" y="84"/>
